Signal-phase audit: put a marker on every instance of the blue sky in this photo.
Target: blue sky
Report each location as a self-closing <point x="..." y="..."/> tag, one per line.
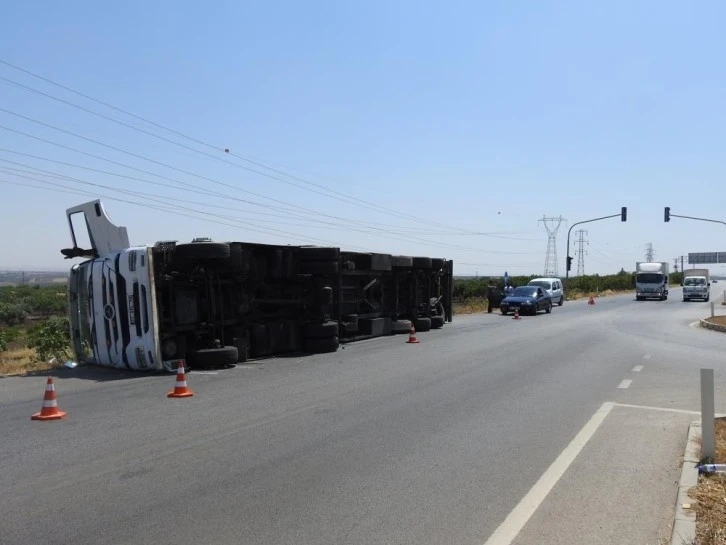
<point x="471" y="117"/>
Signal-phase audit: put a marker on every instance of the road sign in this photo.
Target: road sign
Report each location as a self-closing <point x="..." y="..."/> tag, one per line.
<point x="706" y="258"/>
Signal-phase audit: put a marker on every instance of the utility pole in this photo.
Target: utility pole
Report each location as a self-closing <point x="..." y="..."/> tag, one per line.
<point x="675" y="264"/>
<point x="649" y="252"/>
<point x="552" y="225"/>
<point x="581" y="251"/>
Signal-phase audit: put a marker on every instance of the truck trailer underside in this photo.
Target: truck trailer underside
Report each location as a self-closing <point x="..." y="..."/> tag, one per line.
<point x="215" y="304"/>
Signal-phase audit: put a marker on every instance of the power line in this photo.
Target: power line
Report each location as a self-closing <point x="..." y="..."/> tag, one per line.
<point x="270" y="231"/>
<point x="53" y="174"/>
<point x="313" y="212"/>
<point x="330" y="192"/>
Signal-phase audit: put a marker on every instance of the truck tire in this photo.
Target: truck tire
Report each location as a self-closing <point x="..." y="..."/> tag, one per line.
<point x="437" y="322"/>
<point x="422" y="262"/>
<point x="315" y="253"/>
<point x="422" y="324"/>
<point x="401" y="261"/>
<point x="401" y="326"/>
<point x="321" y="346"/>
<point x="214" y="357"/>
<point x="437" y="264"/>
<point x="319" y="267"/>
<point x="323" y="330"/>
<point x="202" y="250"/>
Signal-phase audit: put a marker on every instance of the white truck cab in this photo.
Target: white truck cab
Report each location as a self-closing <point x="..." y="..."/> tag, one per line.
<point x="111" y="296"/>
<point x="696" y="284"/>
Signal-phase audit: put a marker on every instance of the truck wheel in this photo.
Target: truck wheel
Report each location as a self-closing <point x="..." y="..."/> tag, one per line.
<point x="202" y="250"/>
<point x="323" y="330"/>
<point x="422" y="324"/>
<point x="321" y="346"/>
<point x="422" y="262"/>
<point x="437" y="263"/>
<point x="401" y="261"/>
<point x="214" y="357"/>
<point x="401" y="326"/>
<point x="437" y="322"/>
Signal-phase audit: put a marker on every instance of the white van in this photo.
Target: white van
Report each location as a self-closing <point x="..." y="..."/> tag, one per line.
<point x="553" y="287"/>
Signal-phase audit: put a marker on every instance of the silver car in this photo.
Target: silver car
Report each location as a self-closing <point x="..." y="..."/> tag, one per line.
<point x="553" y="286"/>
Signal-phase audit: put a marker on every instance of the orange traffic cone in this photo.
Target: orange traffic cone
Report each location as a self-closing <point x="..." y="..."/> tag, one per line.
<point x="591" y="301"/>
<point x="50" y="410"/>
<point x="516" y="314"/>
<point x="180" y="388"/>
<point x="412" y="336"/>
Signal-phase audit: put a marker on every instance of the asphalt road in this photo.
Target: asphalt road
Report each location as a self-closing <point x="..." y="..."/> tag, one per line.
<point x="466" y="438"/>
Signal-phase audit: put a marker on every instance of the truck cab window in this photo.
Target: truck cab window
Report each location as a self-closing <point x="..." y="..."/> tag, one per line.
<point x="80" y="231"/>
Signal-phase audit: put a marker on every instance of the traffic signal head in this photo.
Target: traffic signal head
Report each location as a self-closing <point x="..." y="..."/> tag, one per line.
<point x="569" y="263"/>
<point x="624" y="213"/>
<point x="667" y="214"/>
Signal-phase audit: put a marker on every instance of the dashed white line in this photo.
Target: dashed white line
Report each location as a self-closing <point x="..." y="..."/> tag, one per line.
<point x="637" y="369"/>
<point x="518" y="517"/>
<point x="625" y="384"/>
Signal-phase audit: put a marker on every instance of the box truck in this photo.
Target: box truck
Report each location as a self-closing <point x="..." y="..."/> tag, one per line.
<point x="651" y="280"/>
<point x="696" y="284"/>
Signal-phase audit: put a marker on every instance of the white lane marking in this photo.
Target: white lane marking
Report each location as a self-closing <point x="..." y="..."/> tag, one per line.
<point x="518" y="517"/>
<point x="646" y="357"/>
<point x="625" y="384"/>
<point x="662" y="409"/>
<point x="203" y="373"/>
<point x="637" y="369"/>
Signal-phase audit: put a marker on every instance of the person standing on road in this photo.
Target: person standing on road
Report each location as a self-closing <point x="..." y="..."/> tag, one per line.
<point x="491" y="294"/>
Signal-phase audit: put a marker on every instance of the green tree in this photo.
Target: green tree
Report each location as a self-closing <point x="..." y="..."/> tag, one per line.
<point x="51" y="339"/>
<point x="13" y="313"/>
<point x="3" y="341"/>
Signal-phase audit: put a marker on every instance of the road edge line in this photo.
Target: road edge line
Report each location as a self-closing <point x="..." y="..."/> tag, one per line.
<point x="528" y="505"/>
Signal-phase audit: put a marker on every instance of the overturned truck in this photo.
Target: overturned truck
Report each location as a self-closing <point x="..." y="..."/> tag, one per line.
<point x="216" y="304"/>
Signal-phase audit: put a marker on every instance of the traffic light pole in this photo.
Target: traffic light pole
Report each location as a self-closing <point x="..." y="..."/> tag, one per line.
<point x="623" y="216"/>
<point x="669" y="215"/>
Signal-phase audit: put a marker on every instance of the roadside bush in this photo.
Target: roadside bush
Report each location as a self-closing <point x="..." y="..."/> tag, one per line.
<point x="3" y="341"/>
<point x="51" y="339"/>
<point x="13" y="313"/>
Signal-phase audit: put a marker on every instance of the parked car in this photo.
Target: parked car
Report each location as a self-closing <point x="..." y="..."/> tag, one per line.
<point x="553" y="287"/>
<point x="528" y="300"/>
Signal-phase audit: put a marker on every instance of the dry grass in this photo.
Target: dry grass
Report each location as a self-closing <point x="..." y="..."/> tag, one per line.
<point x="18" y="361"/>
<point x="710" y="497"/>
<point x="471" y="306"/>
<point x="720" y="320"/>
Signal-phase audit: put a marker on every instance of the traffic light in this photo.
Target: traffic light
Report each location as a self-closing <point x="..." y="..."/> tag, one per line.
<point x="667" y="215"/>
<point x="569" y="263"/>
<point x="624" y="213"/>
